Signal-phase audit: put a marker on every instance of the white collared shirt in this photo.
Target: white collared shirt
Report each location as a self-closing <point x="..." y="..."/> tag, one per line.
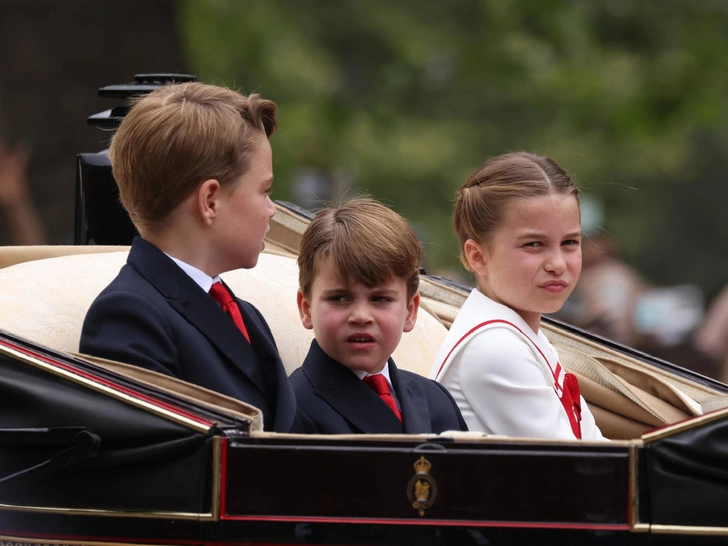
<point x="202" y="279"/>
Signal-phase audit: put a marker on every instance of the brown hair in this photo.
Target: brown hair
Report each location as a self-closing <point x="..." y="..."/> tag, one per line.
<point x="482" y="200"/>
<point x="178" y="136"/>
<point x="367" y="242"/>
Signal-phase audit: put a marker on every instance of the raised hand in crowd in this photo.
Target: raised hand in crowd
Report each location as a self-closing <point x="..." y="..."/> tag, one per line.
<point x="16" y="206"/>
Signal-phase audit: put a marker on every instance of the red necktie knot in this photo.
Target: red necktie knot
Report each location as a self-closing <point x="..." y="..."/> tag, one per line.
<point x="221" y="294"/>
<point x="379" y="384"/>
<point x="225" y="299"/>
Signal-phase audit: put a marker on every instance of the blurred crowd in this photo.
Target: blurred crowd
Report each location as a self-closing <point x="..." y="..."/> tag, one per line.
<point x="612" y="299"/>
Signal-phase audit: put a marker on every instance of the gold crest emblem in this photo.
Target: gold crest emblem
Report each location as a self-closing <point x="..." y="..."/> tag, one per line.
<point x="422" y="489"/>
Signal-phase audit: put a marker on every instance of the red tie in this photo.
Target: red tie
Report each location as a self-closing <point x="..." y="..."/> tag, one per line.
<point x="379" y="384"/>
<point x="222" y="296"/>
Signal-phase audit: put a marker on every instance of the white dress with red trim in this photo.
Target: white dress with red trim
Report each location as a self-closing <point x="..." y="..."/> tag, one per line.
<point x="507" y="379"/>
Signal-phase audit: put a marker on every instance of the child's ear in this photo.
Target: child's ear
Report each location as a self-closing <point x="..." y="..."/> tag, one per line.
<point x="304" y="310"/>
<point x="475" y="255"/>
<point x="412" y="308"/>
<point x="207" y="200"/>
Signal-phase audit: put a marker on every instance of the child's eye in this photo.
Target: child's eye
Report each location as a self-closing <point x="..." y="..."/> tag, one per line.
<point x="338" y="298"/>
<point x="571" y="242"/>
<point x="381" y="299"/>
<point x="533" y="244"/>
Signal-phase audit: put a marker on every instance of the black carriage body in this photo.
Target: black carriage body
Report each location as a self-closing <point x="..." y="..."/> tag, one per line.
<point x="166" y="470"/>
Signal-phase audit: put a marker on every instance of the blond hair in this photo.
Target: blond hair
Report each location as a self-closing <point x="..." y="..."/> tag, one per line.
<point x="482" y="200"/>
<point x="178" y="136"/>
<point x="367" y="243"/>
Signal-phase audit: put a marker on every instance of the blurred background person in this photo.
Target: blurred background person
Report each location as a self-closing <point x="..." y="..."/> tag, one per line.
<point x="712" y="336"/>
<point x="605" y="296"/>
<point x="17" y="210"/>
<point x="607" y="291"/>
<point x="615" y="301"/>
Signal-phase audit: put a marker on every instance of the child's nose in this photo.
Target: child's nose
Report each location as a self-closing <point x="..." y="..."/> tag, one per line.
<point x="360" y="313"/>
<point x="556" y="263"/>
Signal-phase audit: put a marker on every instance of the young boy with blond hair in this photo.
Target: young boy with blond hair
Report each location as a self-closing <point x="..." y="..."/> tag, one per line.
<point x="194" y="170"/>
<point x="358" y="291"/>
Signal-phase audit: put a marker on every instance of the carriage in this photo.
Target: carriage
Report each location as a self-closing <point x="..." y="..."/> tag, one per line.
<point x="100" y="452"/>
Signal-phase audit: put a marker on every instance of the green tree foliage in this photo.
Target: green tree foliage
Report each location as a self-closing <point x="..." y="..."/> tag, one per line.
<point x="404" y="99"/>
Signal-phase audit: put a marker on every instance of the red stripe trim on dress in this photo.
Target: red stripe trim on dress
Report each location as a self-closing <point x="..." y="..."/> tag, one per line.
<point x="573" y="418"/>
<point x="501" y="321"/>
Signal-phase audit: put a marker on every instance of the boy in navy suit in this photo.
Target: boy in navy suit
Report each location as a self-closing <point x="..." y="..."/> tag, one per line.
<point x="358" y="280"/>
<point x="193" y="166"/>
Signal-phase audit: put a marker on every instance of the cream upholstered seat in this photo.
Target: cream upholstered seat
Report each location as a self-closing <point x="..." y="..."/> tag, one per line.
<point x="46" y="300"/>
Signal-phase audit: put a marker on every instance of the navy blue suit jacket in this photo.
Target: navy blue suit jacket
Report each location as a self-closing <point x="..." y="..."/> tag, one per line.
<point x="155" y="316"/>
<point x="338" y="402"/>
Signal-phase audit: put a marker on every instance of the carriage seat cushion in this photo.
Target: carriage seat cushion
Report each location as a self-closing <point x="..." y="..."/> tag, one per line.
<point x="46" y="300"/>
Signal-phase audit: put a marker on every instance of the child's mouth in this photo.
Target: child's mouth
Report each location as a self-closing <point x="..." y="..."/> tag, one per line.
<point x="555" y="287"/>
<point x="360" y="340"/>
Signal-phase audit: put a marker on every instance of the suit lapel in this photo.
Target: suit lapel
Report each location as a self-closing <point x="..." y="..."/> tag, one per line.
<point x="271" y="366"/>
<point x="198" y="308"/>
<point x="412" y="402"/>
<point x="348" y="395"/>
